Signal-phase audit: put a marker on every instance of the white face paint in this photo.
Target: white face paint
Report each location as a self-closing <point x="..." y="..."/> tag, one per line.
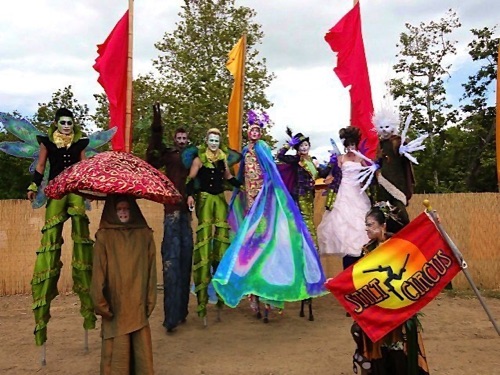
<point x="65" y="125"/>
<point x="213" y="142"/>
<point x="304" y="148"/>
<point x="123" y="211"/>
<point x="385" y="130"/>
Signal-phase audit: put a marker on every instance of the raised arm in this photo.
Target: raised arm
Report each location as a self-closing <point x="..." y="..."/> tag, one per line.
<point x="156" y="147"/>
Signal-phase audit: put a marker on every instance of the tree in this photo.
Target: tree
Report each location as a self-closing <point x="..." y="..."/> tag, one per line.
<point x="191" y="81"/>
<point x="479" y="125"/>
<point x="14" y="170"/>
<point x="62" y="98"/>
<point x="424" y="50"/>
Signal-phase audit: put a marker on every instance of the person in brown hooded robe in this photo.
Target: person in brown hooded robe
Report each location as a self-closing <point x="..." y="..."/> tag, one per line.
<point x="123" y="287"/>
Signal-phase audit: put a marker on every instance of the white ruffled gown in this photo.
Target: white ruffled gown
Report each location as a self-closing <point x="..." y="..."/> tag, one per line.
<point x="342" y="230"/>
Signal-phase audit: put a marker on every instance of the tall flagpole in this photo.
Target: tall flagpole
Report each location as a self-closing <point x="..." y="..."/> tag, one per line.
<point x="128" y="108"/>
<point x="242" y="87"/>
<point x="498" y="119"/>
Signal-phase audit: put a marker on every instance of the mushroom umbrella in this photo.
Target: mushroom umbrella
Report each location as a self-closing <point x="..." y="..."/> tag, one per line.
<point x="113" y="172"/>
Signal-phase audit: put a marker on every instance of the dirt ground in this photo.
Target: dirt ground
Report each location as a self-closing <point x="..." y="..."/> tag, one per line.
<point x="459" y="340"/>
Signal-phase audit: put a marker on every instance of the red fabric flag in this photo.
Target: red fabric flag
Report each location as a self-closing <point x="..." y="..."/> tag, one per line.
<point x="346" y="39"/>
<point x="397" y="279"/>
<point x="111" y="64"/>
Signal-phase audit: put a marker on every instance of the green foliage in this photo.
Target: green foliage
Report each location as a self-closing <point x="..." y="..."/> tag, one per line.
<point x="16" y="177"/>
<point x="192" y="82"/>
<point x="480" y="118"/>
<point x="460" y="154"/>
<point x="422" y="67"/>
<point x="62" y="98"/>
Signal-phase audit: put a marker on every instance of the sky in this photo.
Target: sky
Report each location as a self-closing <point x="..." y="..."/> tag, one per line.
<point x="46" y="45"/>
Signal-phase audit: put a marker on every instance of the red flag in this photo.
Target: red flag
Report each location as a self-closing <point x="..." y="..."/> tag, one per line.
<point x="111" y="64"/>
<point x="346" y="39"/>
<point x="397" y="279"/>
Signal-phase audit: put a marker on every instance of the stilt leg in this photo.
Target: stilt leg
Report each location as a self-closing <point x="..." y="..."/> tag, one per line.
<point x="43" y="359"/>
<point x="301" y="313"/>
<point x="86" y="341"/>
<point x="219" y="309"/>
<point x="266" y="313"/>
<point x="257" y="303"/>
<point x="311" y="316"/>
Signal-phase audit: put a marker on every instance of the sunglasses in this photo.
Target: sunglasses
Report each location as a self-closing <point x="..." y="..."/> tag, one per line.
<point x="65" y="122"/>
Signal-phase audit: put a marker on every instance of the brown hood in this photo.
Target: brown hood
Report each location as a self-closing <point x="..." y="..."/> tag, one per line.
<point x="109" y="218"/>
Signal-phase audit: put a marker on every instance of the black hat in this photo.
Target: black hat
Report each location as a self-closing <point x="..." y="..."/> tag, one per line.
<point x="301" y="137"/>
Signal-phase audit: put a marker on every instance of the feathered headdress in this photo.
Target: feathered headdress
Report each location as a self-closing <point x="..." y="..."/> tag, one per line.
<point x="257" y="119"/>
<point x="384" y="117"/>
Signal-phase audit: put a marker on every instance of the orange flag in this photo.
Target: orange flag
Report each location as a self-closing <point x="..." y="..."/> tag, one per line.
<point x="236" y="65"/>
<point x="397" y="279"/>
<point x="111" y="64"/>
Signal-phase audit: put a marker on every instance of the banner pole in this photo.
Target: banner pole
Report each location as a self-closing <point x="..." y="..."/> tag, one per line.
<point x="461" y="261"/>
<point x="128" y="134"/>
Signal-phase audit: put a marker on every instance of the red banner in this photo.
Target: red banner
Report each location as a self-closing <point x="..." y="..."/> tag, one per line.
<point x="346" y="39"/>
<point x="111" y="64"/>
<point x="397" y="279"/>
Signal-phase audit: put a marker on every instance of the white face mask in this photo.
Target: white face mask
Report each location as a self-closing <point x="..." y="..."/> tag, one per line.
<point x="123" y="212"/>
<point x="304" y="148"/>
<point x="385" y="131"/>
<point x="65" y="125"/>
<point x="213" y="142"/>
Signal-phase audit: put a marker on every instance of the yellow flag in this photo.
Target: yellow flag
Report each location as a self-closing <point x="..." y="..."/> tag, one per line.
<point x="236" y="65"/>
<point x="498" y="119"/>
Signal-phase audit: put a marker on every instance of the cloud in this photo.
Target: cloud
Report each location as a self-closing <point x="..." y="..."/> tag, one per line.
<point x="51" y="44"/>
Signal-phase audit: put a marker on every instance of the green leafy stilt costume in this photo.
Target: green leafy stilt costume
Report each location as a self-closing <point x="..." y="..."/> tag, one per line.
<point x="212" y="233"/>
<point x="61" y="151"/>
<point x="48" y="261"/>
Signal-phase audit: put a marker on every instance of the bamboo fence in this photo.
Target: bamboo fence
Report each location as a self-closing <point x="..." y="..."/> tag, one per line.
<point x="471" y="220"/>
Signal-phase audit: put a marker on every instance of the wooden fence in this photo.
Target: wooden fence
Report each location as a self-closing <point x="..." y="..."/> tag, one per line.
<point x="472" y="221"/>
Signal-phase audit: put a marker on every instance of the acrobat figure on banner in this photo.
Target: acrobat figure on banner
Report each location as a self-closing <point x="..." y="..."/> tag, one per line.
<point x="391" y="275"/>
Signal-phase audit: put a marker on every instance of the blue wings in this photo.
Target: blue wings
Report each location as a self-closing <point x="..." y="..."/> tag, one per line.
<point x="99" y="139"/>
<point x="188" y="155"/>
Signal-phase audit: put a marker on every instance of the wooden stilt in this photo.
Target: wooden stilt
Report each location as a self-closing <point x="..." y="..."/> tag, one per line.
<point x="86" y="341"/>
<point x="43" y="359"/>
